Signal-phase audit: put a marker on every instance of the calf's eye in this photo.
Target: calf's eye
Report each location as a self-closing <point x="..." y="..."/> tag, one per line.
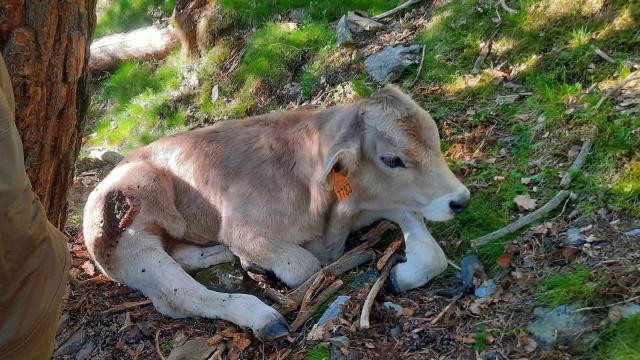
<point x="392" y="161"/>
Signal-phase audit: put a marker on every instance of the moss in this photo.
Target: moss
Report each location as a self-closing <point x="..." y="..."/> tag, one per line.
<point x="318" y="352"/>
<point x="620" y="341"/>
<point x="125" y="15"/>
<point x="577" y="285"/>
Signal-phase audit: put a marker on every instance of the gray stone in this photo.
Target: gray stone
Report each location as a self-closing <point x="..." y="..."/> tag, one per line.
<point x="343" y="34"/>
<point x="574" y="237"/>
<point x="194" y="349"/>
<point x="336" y="354"/>
<point x="297" y="14"/>
<point x="73" y="345"/>
<point x="634" y="232"/>
<point x="358" y="22"/>
<point x="109" y="156"/>
<point x="85" y="352"/>
<point x="395" y="307"/>
<point x="340" y="341"/>
<point x="559" y="324"/>
<point x="396" y="331"/>
<point x="363" y="278"/>
<point x="225" y="277"/>
<point x="62" y="323"/>
<point x="334" y="310"/>
<point x="388" y="64"/>
<point x="627" y="310"/>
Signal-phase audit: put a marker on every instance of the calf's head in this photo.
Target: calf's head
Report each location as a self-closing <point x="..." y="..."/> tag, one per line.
<point x="390" y="150"/>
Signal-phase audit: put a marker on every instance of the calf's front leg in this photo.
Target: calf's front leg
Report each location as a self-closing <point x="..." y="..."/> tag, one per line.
<point x="425" y="258"/>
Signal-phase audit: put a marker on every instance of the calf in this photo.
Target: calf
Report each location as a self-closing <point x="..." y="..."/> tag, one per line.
<point x="279" y="192"/>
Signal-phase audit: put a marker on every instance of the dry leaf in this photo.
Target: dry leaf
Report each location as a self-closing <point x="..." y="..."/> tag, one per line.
<point x="241" y="342"/>
<point x="525" y="202"/>
<point x="504" y="260"/>
<point x="89" y="268"/>
<point x="215" y="339"/>
<point x="407" y="311"/>
<point x="569" y="254"/>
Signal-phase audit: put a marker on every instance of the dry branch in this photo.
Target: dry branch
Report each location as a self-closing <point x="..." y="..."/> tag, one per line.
<point x="310" y="308"/>
<point x="391" y="249"/>
<point x="604" y="55"/>
<point x="560" y="197"/>
<point x="375" y="289"/>
<point x="424" y="50"/>
<point x="147" y="43"/>
<point x="506" y="8"/>
<point x="445" y="310"/>
<point x="395" y="10"/>
<point x="158" y="350"/>
<point x="616" y="88"/>
<point x="484" y="52"/>
<point x="126" y="306"/>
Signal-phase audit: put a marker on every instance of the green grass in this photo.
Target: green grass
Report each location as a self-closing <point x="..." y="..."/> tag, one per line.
<point x="579" y="285"/>
<point x="125" y="15"/>
<point x="139" y="110"/>
<point x="620" y="341"/>
<point x="318" y="352"/>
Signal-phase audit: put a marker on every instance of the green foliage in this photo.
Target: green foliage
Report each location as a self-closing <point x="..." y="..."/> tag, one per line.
<point x="627" y="189"/>
<point x="481" y="342"/>
<point x="578" y="285"/>
<point x="257" y="12"/>
<point x="318" y="352"/>
<point x="140" y="111"/>
<point x="125" y="15"/>
<point x="620" y="341"/>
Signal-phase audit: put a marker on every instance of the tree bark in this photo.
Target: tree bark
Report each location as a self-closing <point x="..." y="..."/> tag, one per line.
<point x="45" y="44"/>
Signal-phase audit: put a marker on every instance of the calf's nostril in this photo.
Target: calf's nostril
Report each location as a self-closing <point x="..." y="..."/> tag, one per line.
<point x="457" y="206"/>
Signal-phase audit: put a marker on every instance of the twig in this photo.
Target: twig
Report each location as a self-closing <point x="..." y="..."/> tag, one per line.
<point x="453" y="265"/>
<point x="375" y="289"/>
<point x="606" y="306"/>
<point x="391" y="249"/>
<point x="604" y="55"/>
<point x="126" y="306"/>
<point x="484" y="52"/>
<point x="544" y="210"/>
<point x="309" y="309"/>
<point x="615" y="89"/>
<point x="158" y="345"/>
<point x="577" y="163"/>
<point x="445" y="310"/>
<point x="424" y="50"/>
<point x="504" y="6"/>
<point x="395" y="10"/>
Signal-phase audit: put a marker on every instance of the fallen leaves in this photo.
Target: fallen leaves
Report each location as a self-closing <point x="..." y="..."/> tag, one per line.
<point x="569" y="254"/>
<point x="525" y="202"/>
<point x="504" y="260"/>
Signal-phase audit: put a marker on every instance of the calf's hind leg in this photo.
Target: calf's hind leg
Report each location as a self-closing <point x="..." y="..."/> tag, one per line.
<point x="140" y="261"/>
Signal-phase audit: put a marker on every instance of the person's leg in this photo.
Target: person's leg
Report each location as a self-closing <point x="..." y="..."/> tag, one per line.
<point x="34" y="260"/>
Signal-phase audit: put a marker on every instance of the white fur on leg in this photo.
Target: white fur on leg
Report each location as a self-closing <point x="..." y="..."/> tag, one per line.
<point x="425" y="258"/>
<point x="192" y="257"/>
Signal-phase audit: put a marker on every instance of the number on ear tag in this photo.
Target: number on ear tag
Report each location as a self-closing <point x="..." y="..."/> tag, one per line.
<point x="341" y="186"/>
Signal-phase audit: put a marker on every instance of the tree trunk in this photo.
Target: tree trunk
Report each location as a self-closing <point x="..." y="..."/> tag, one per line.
<point x="45" y="44"/>
<point x="147" y="43"/>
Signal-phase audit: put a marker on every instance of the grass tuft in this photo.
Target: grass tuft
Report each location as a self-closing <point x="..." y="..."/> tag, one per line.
<point x="578" y="285"/>
<point x="620" y="341"/>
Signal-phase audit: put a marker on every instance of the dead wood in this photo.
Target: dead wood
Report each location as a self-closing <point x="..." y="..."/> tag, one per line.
<point x="484" y="52"/>
<point x="395" y="10"/>
<point x="424" y="50"/>
<point x="615" y="89"/>
<point x="445" y="310"/>
<point x="147" y="43"/>
<point x="126" y="306"/>
<point x="391" y="249"/>
<point x="538" y="214"/>
<point x="506" y="8"/>
<point x="375" y="289"/>
<point x="158" y="350"/>
<point x="309" y="308"/>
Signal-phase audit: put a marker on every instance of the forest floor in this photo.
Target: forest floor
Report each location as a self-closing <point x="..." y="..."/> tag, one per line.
<point x="510" y="130"/>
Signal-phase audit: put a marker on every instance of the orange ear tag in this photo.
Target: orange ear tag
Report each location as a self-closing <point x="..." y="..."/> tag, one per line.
<point x="341" y="186"/>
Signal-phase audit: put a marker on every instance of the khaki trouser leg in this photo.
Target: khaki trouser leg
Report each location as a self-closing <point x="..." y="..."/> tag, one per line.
<point x="34" y="260"/>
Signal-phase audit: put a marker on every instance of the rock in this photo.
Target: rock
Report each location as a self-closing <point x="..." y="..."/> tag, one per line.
<point x="634" y="232"/>
<point x="363" y="278"/>
<point x="62" y="323"/>
<point x="109" y="156"/>
<point x="626" y="310"/>
<point x="561" y="325"/>
<point x="359" y="22"/>
<point x="336" y="354"/>
<point x="485" y="289"/>
<point x="297" y="14"/>
<point x="334" y="310"/>
<point x="388" y="64"/>
<point x="146" y="328"/>
<point x="395" y="307"/>
<point x="227" y="277"/>
<point x="343" y="34"/>
<point x="215" y="93"/>
<point x="85" y="352"/>
<point x="574" y="237"/>
<point x="194" y="349"/>
<point x="396" y="331"/>
<point x="73" y="345"/>
<point x="340" y="341"/>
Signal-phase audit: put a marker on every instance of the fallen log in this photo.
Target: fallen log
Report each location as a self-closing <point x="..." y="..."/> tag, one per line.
<point x="147" y="43"/>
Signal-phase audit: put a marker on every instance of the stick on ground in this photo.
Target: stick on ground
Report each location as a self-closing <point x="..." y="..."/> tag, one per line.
<point x="395" y="10"/>
<point x="445" y="310"/>
<point x="616" y="88"/>
<point x="375" y="289"/>
<point x="558" y="199"/>
<point x="310" y="308"/>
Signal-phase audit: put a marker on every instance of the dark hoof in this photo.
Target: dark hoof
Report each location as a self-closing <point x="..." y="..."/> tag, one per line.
<point x="275" y="329"/>
<point x="391" y="285"/>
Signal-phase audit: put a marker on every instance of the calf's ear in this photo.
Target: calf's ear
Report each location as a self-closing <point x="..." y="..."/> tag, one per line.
<point x="345" y="150"/>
